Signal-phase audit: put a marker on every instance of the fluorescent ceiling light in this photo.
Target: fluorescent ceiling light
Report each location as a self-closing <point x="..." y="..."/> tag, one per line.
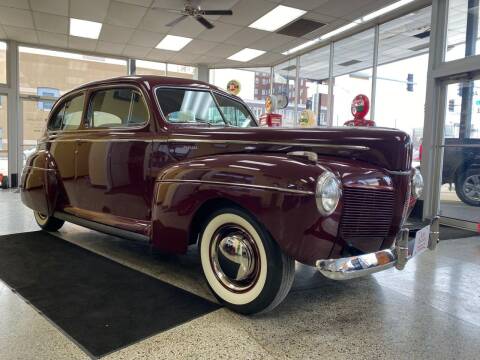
<point x="246" y="55"/>
<point x="386" y="9"/>
<point x="276" y="18"/>
<point x="84" y="28"/>
<point x="301" y="46"/>
<point x="173" y="43"/>
<point x="341" y="29"/>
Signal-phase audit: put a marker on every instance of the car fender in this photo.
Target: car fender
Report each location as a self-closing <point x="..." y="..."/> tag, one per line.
<point x="278" y="190"/>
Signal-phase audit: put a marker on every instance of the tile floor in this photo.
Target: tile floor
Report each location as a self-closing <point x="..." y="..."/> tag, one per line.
<point x="431" y="310"/>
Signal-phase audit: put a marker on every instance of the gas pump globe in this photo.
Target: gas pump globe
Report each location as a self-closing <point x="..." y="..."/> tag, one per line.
<point x="360" y="108"/>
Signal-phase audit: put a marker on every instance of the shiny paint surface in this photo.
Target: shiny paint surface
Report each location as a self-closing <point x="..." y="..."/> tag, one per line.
<point x="155" y="180"/>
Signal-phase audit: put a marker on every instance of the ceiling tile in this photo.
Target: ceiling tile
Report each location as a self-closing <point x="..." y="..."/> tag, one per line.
<point x="340" y="9"/>
<point x="288" y="45"/>
<point x="168" y="4"/>
<point x="145" y="38"/>
<point x="21" y="34"/>
<point x="268" y="59"/>
<point x="246" y="12"/>
<point x="81" y="43"/>
<point x="303" y="4"/>
<point x="136" y="51"/>
<point x="184" y="59"/>
<point x="51" y="23"/>
<point x="224" y="50"/>
<point x="144" y="3"/>
<point x="155" y="20"/>
<point x="220" y="32"/>
<point x="57" y="7"/>
<point x="52" y="39"/>
<point x="93" y="10"/>
<point x="109" y="48"/>
<point x="123" y="14"/>
<point x="160" y="55"/>
<point x="188" y="27"/>
<point x="19" y="4"/>
<point x="272" y="41"/>
<point x="208" y="59"/>
<point x="246" y="37"/>
<point x="115" y="34"/>
<point x="16" y="17"/>
<point x="199" y="46"/>
<point x="2" y="33"/>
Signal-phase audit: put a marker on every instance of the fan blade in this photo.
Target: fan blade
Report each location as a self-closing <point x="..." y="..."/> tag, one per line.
<point x="216" y="12"/>
<point x="177" y="20"/>
<point x="204" y="22"/>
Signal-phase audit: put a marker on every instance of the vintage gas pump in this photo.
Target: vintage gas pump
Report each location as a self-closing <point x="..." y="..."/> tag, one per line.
<point x="360" y="108"/>
<point x="270" y="118"/>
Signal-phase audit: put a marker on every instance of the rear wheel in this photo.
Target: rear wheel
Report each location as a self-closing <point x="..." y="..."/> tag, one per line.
<point x="48" y="223"/>
<point x="243" y="265"/>
<point x="467" y="186"/>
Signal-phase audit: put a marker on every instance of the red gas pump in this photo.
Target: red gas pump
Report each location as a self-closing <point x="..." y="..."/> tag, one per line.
<point x="269" y="118"/>
<point x="360" y="108"/>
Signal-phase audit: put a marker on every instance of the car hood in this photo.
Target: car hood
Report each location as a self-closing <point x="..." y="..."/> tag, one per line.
<point x="388" y="148"/>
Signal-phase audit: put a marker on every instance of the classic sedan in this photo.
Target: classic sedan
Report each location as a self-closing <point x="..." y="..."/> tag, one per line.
<point x="176" y="162"/>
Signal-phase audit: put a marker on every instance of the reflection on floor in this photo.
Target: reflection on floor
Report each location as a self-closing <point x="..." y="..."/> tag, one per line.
<point x="451" y="206"/>
<point x="431" y="310"/>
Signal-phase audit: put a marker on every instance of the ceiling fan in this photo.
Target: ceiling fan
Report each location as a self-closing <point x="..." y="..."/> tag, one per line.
<point x="193" y="9"/>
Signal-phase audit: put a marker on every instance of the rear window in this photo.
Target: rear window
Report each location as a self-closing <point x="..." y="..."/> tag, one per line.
<point x="118" y="107"/>
<point x="69" y="115"/>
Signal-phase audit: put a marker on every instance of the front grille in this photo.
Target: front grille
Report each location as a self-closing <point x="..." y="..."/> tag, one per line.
<point x="366" y="213"/>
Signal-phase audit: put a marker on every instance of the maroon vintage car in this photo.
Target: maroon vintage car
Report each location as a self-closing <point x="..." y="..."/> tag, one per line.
<point x="175" y="162"/>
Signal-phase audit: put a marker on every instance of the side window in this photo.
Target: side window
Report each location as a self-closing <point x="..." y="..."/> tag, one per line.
<point x="188" y="106"/>
<point x="69" y="114"/>
<point x="236" y="114"/>
<point x="113" y="108"/>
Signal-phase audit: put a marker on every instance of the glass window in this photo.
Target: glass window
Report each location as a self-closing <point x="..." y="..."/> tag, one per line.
<point x="235" y="113"/>
<point x="69" y="115"/>
<point x="48" y="92"/>
<point x="313" y="88"/>
<point x="3" y="62"/>
<point x="284" y="85"/>
<point x="3" y="136"/>
<point x="115" y="108"/>
<point x="189" y="106"/>
<point x="352" y="71"/>
<point x="150" y="68"/>
<point x="180" y="71"/>
<point x="40" y="68"/>
<point x="462" y="30"/>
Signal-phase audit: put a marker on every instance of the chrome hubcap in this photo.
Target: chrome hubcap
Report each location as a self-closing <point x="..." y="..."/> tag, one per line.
<point x="41" y="216"/>
<point x="471" y="187"/>
<point x="234" y="258"/>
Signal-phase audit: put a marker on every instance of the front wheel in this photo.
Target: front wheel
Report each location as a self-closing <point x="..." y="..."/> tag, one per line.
<point x="243" y="265"/>
<point x="48" y="223"/>
<point x="467" y="186"/>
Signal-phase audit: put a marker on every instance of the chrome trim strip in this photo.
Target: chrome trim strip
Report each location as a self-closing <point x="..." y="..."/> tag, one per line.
<point x="37" y="168"/>
<point x="262" y="187"/>
<point x="249" y="142"/>
<point x="97" y="140"/>
<point x="401" y="173"/>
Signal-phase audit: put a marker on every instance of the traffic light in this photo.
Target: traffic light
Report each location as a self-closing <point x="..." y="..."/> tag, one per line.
<point x="451" y="105"/>
<point x="410" y="82"/>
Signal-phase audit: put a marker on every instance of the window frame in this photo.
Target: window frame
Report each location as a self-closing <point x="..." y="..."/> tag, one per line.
<point x="91" y="93"/>
<point x="236" y="101"/>
<point x="60" y="104"/>
<point x="212" y="93"/>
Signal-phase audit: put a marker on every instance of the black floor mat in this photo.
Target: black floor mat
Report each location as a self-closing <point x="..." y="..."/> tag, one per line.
<point x="451" y="233"/>
<point x="99" y="303"/>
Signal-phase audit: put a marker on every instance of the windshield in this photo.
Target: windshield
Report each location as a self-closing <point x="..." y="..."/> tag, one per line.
<point x="197" y="106"/>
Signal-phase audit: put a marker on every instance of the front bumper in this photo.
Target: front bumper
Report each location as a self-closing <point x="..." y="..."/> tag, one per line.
<point x="361" y="265"/>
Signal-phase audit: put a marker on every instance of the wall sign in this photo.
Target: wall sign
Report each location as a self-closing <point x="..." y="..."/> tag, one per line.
<point x="233" y="87"/>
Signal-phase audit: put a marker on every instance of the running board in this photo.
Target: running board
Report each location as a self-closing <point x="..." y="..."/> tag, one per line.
<point x="102" y="227"/>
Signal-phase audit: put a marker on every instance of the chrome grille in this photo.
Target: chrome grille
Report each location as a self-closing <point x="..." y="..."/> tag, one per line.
<point x="366" y="213"/>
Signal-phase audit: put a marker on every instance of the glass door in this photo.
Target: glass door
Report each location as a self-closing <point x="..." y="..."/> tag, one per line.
<point x="460" y="190"/>
<point x="3" y="136"/>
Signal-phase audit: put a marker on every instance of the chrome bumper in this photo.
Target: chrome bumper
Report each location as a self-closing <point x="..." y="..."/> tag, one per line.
<point x="356" y="266"/>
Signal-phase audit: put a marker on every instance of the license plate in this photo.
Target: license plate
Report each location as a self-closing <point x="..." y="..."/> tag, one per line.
<point x="421" y="240"/>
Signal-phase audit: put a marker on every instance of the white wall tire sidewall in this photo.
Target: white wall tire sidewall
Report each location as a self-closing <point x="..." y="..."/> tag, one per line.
<point x="40" y="221"/>
<point x="225" y="294"/>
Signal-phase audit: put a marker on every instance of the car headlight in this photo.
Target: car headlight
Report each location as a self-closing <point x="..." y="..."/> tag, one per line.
<point x="417" y="183"/>
<point x="328" y="193"/>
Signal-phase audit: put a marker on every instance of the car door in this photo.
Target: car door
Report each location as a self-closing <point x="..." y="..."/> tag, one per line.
<point x="113" y="157"/>
<point x="62" y="136"/>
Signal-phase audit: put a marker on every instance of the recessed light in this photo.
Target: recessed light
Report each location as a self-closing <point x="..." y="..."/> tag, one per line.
<point x="246" y="55"/>
<point x="85" y="28"/>
<point x="301" y="46"/>
<point x="276" y="18"/>
<point x="386" y="9"/>
<point x="173" y="43"/>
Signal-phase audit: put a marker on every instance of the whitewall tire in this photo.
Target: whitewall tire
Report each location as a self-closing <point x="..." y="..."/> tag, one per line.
<point x="48" y="223"/>
<point x="243" y="265"/>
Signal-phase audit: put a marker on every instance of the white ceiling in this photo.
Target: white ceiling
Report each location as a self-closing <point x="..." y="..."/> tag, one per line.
<point x="132" y="28"/>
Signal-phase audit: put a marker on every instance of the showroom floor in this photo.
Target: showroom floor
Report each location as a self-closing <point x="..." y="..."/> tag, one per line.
<point x="430" y="310"/>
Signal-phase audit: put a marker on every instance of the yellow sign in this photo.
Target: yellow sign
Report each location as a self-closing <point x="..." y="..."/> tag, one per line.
<point x="233" y="87"/>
